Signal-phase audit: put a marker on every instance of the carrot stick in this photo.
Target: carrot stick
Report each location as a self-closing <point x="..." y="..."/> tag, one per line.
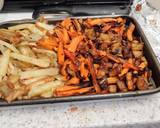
<point x="83" y="71"/>
<point x="66" y="23"/>
<point x="93" y="74"/>
<point x="70" y="55"/>
<point x="48" y="43"/>
<point x="67" y="88"/>
<point x="74" y="43"/>
<point x="73" y="92"/>
<point x="65" y="36"/>
<point x="100" y="21"/>
<point x="60" y="54"/>
<point x="106" y="27"/>
<point x="73" y="80"/>
<point x="131" y="66"/>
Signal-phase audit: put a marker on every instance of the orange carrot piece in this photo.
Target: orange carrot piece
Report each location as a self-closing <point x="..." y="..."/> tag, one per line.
<point x="83" y="71"/>
<point x="67" y="88"/>
<point x="131" y="66"/>
<point x="73" y="80"/>
<point x="73" y="92"/>
<point x="66" y="23"/>
<point x="65" y="36"/>
<point x="70" y="55"/>
<point x="60" y="54"/>
<point x="48" y="43"/>
<point x="106" y="27"/>
<point x="93" y="74"/>
<point x="100" y="21"/>
<point x="72" y="47"/>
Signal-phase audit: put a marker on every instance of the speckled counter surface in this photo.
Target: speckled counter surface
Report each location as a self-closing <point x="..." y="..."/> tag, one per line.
<point x="139" y="112"/>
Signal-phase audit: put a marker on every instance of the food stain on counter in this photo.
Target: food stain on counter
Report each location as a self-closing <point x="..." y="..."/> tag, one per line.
<point x="73" y="108"/>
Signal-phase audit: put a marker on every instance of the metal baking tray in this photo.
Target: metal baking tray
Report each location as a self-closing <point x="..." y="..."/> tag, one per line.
<point x="148" y="53"/>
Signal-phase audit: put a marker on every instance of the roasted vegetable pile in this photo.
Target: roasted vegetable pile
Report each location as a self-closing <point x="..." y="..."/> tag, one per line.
<point x="98" y="56"/>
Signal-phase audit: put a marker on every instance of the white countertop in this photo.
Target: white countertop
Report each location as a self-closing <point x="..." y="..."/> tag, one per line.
<point x="134" y="112"/>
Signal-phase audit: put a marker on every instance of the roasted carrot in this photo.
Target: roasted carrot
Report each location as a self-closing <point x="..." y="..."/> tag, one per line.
<point x="63" y="69"/>
<point x="73" y="80"/>
<point x="70" y="55"/>
<point x="48" y="43"/>
<point x="83" y="71"/>
<point x="100" y="21"/>
<point x="65" y="36"/>
<point x="60" y="53"/>
<point x="130" y="66"/>
<point x="130" y="32"/>
<point x="106" y="27"/>
<point x="72" y="47"/>
<point x="73" y="92"/>
<point x="93" y="74"/>
<point x="67" y="88"/>
<point x="66" y="23"/>
<point x="72" y="33"/>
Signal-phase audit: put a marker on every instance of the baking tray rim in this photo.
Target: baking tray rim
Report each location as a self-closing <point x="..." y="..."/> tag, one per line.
<point x="86" y="97"/>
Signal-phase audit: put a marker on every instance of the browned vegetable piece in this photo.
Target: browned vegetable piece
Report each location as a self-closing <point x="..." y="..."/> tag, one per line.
<point x="142" y="83"/>
<point x="131" y="66"/>
<point x="73" y="92"/>
<point x="113" y="58"/>
<point x="61" y="56"/>
<point x="73" y="80"/>
<point x="121" y="86"/>
<point x="137" y="54"/>
<point x="67" y="88"/>
<point x="112" y="80"/>
<point x="72" y="47"/>
<point x="16" y="93"/>
<point x="129" y="79"/>
<point x="112" y="88"/>
<point x="93" y="74"/>
<point x="100" y="21"/>
<point x="130" y="31"/>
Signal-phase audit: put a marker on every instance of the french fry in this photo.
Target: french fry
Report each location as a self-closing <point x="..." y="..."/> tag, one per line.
<point x="31" y="27"/>
<point x="39" y="72"/>
<point x="31" y="80"/>
<point x="38" y="90"/>
<point x="47" y="94"/>
<point x="16" y="93"/>
<point x="4" y="63"/>
<point x="31" y="60"/>
<point x="44" y="51"/>
<point x="40" y="82"/>
<point x="10" y="46"/>
<point x="45" y="26"/>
